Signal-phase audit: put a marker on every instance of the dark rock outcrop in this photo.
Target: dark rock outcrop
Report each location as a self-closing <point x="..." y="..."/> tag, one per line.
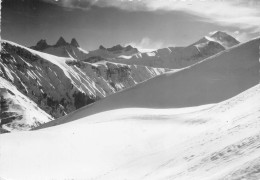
<point x="41" y="45"/>
<point x="116" y="48"/>
<point x="74" y="42"/>
<point x="102" y="47"/>
<point x="61" y="42"/>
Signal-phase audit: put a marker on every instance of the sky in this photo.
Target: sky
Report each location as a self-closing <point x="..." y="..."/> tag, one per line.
<point x="145" y="24"/>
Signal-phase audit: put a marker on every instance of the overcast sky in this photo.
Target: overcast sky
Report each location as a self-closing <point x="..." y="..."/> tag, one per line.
<point x="147" y="24"/>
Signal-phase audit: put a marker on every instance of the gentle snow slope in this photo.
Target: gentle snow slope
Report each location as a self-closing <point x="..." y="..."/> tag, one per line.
<point x="207" y="142"/>
<point x="210" y="81"/>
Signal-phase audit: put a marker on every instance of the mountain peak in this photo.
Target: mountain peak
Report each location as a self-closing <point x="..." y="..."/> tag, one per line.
<point x="218" y="33"/>
<point x="74" y="42"/>
<point x="102" y="47"/>
<point x="42" y="44"/>
<point x="61" y="42"/>
<point x="128" y="48"/>
<point x="226" y="39"/>
<point x="116" y="48"/>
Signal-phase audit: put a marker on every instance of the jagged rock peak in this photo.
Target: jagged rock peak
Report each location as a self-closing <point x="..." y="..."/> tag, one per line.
<point x="116" y="48"/>
<point x="119" y="48"/>
<point x="61" y="42"/>
<point x="129" y="47"/>
<point x="102" y="47"/>
<point x="42" y="44"/>
<point x="74" y="42"/>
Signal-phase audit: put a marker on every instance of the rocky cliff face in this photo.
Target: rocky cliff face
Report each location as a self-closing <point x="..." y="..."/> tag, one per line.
<point x="18" y="112"/>
<point x="61" y="85"/>
<point x="62" y="48"/>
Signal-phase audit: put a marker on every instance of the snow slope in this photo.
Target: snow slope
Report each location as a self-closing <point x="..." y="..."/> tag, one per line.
<point x="210" y="81"/>
<point x="217" y="141"/>
<point x="179" y="57"/>
<point x="61" y="85"/>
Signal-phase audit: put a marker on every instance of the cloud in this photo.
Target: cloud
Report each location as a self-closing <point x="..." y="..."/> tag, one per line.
<point x="147" y="45"/>
<point x="244" y="14"/>
<point x="239" y="13"/>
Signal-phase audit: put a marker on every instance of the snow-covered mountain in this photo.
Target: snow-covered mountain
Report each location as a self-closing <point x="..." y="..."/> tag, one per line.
<point x="171" y="57"/>
<point x="179" y="57"/>
<point x="218" y="141"/>
<point x="113" y="52"/>
<point x="224" y="39"/>
<point x="210" y="81"/>
<point x="61" y="85"/>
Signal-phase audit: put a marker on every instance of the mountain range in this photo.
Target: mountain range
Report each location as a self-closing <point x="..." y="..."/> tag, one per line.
<point x="180" y="57"/>
<point x="58" y="79"/>
<point x="198" y="121"/>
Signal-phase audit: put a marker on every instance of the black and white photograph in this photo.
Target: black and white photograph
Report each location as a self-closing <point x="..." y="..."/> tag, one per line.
<point x="130" y="90"/>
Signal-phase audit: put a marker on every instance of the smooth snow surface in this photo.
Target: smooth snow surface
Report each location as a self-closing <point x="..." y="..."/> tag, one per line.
<point x="217" y="141"/>
<point x="210" y="81"/>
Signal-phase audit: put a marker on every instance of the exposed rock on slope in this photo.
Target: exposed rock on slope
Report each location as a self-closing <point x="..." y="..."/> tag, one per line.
<point x="18" y="112"/>
<point x="61" y="85"/>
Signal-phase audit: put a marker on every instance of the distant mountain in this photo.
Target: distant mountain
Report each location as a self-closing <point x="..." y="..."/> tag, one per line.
<point x="224" y="39"/>
<point x="60" y="85"/>
<point x="73" y="50"/>
<point x="171" y="57"/>
<point x="62" y="48"/>
<point x="179" y="57"/>
<point x="118" y="49"/>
